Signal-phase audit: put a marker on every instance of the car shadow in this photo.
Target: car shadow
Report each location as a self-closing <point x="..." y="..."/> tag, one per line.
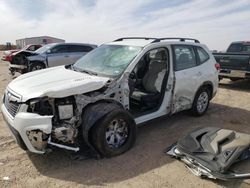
<point x="240" y="85"/>
<point x="147" y="154"/>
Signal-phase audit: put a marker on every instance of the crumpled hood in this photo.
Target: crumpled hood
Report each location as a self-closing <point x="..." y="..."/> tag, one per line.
<point x="55" y="82"/>
<point x="25" y="52"/>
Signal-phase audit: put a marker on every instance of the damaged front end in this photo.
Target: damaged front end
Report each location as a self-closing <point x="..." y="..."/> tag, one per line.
<point x="65" y="126"/>
<point x="72" y="117"/>
<point x="20" y="62"/>
<point x="211" y="152"/>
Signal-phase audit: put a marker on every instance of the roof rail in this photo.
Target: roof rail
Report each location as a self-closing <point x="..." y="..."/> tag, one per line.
<point x="174" y="38"/>
<point x="125" y="38"/>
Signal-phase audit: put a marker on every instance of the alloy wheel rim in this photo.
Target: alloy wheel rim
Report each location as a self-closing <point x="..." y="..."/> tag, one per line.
<point x="37" y="67"/>
<point x="202" y="102"/>
<point x="117" y="133"/>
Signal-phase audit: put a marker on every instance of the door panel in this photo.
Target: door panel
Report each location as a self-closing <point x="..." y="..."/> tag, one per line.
<point x="59" y="59"/>
<point x="187" y="77"/>
<point x="59" y="55"/>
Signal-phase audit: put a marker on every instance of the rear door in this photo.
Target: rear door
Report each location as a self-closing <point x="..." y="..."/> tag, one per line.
<point x="188" y="76"/>
<point x="59" y="55"/>
<point x="78" y="51"/>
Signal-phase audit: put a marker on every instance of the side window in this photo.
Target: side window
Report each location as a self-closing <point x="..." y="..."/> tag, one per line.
<point x="60" y="49"/>
<point x="78" y="48"/>
<point x="202" y="55"/>
<point x="37" y="47"/>
<point x="31" y="48"/>
<point x="184" y="57"/>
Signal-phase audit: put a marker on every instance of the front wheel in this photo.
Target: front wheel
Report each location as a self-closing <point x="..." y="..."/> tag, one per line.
<point x="36" y="66"/>
<point x="201" y="102"/>
<point x="114" y="134"/>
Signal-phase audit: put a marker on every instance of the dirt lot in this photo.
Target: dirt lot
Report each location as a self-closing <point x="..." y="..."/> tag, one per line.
<point x="143" y="166"/>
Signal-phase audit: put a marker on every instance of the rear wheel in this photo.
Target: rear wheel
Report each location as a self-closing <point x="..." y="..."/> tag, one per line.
<point x="201" y="102"/>
<point x="36" y="66"/>
<point x="114" y="134"/>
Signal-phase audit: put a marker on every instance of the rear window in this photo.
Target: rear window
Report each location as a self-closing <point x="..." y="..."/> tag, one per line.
<point x="237" y="47"/>
<point x="202" y="55"/>
<point x="79" y="48"/>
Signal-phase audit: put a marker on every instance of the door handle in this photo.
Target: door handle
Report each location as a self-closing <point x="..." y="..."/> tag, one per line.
<point x="66" y="56"/>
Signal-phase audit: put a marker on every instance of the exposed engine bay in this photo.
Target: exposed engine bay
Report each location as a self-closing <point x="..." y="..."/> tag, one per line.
<point x="64" y="122"/>
<point x="211" y="152"/>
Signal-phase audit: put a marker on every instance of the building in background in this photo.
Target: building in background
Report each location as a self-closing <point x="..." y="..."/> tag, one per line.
<point x="37" y="40"/>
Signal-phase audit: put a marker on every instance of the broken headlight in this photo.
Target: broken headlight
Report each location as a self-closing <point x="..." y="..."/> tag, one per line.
<point x="40" y="106"/>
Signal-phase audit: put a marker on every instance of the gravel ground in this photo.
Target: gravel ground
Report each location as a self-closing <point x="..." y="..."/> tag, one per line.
<point x="144" y="166"/>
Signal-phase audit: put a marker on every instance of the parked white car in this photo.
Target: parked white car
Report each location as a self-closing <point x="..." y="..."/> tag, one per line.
<point x="101" y="98"/>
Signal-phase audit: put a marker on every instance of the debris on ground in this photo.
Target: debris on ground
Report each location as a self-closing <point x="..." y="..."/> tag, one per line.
<point x="210" y="152"/>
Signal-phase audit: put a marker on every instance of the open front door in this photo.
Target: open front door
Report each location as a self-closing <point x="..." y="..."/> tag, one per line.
<point x="151" y="85"/>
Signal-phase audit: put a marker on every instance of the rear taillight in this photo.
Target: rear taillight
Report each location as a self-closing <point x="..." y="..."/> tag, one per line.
<point x="217" y="66"/>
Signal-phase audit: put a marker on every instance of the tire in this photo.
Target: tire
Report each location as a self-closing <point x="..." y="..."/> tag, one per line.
<point x="36" y="66"/>
<point x="201" y="102"/>
<point x="101" y="134"/>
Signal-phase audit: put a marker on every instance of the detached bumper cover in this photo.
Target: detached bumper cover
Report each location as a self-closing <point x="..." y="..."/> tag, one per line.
<point x="210" y="152"/>
<point x="199" y="170"/>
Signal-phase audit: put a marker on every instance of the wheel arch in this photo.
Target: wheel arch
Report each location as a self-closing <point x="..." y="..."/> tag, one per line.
<point x="93" y="112"/>
<point x="209" y="86"/>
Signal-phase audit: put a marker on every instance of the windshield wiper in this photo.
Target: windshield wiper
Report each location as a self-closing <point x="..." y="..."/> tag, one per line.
<point x="88" y="72"/>
<point x="82" y="70"/>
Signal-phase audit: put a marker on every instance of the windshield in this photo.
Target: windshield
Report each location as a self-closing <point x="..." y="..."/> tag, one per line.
<point x="107" y="60"/>
<point x="44" y="48"/>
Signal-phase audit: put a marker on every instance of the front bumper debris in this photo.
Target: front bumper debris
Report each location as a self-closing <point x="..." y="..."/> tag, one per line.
<point x="211" y="152"/>
<point x="201" y="171"/>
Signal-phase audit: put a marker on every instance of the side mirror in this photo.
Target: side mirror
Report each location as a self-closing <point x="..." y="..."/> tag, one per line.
<point x="48" y="51"/>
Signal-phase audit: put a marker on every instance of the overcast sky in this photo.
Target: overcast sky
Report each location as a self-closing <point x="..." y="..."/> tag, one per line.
<point x="214" y="22"/>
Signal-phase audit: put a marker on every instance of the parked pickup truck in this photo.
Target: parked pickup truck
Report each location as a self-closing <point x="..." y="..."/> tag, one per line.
<point x="235" y="63"/>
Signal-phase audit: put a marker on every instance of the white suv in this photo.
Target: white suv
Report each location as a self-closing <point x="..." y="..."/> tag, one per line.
<point x="101" y="98"/>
